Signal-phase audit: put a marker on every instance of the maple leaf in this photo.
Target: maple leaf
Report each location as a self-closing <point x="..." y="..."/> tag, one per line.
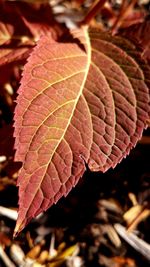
<point x="80" y="102"/>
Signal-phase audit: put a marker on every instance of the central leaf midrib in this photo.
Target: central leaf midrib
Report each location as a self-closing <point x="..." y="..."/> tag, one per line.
<point x="80" y="93"/>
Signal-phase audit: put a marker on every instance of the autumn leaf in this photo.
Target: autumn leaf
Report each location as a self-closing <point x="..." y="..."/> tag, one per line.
<point x="81" y="102"/>
<point x="38" y="19"/>
<point x="139" y="35"/>
<point x="21" y="25"/>
<point x="21" y="19"/>
<point x="12" y="46"/>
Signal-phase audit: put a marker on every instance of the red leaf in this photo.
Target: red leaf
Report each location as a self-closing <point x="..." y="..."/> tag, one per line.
<point x="140" y="35"/>
<point x="80" y="101"/>
<point x="39" y="20"/>
<point x="11" y="35"/>
<point x="135" y="17"/>
<point x="21" y="24"/>
<point x="22" y="19"/>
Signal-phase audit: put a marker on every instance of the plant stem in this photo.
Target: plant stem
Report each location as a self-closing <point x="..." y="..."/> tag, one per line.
<point x="124" y="12"/>
<point x="95" y="8"/>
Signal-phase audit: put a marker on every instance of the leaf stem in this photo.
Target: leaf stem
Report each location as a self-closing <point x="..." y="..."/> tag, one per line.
<point x="95" y="8"/>
<point x="124" y="12"/>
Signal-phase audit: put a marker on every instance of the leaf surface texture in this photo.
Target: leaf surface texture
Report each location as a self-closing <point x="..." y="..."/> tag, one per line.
<point x="83" y="101"/>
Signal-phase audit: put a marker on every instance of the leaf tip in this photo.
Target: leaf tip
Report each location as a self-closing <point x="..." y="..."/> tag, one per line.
<point x="18" y="228"/>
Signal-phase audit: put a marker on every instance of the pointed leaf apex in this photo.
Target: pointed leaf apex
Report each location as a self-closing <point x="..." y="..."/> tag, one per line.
<point x="18" y="228"/>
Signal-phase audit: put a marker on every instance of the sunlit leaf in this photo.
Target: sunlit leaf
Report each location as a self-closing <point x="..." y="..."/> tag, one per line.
<point x="83" y="101"/>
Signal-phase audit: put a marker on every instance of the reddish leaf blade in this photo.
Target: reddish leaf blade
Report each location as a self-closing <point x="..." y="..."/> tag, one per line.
<point x="21" y="24"/>
<point x="123" y="111"/>
<point x="129" y="91"/>
<point x="12" y="45"/>
<point x="139" y="35"/>
<point x="25" y="19"/>
<point x="53" y="124"/>
<point x="77" y="103"/>
<point x="39" y="19"/>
